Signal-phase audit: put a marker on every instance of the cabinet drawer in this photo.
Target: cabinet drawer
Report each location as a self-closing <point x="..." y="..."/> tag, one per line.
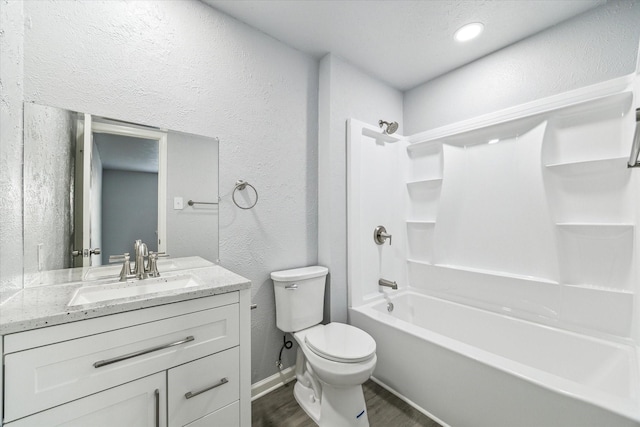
<point x="226" y="417"/>
<point x="132" y="404"/>
<point x="203" y="386"/>
<point x="43" y="377"/>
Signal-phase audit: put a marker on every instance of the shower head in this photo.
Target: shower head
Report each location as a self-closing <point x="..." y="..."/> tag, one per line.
<point x="391" y="126"/>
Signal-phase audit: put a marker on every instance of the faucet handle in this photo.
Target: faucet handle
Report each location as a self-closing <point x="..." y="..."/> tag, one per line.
<point x="153" y="264"/>
<point x="125" y="271"/>
<point x="380" y="235"/>
<point x="117" y="258"/>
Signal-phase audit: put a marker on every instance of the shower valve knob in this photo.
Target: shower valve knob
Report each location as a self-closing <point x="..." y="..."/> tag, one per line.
<point x="380" y="235"/>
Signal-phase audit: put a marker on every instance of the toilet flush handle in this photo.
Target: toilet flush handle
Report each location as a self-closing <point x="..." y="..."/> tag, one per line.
<point x="291" y="287"/>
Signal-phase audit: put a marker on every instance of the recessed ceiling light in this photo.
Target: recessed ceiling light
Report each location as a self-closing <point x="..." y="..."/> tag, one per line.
<point x="468" y="32"/>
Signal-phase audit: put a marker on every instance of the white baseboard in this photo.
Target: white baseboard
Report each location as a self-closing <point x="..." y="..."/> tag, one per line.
<point x="273" y="382"/>
<point x="410" y="402"/>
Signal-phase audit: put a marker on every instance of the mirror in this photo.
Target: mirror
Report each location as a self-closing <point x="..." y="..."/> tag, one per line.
<point x="93" y="185"/>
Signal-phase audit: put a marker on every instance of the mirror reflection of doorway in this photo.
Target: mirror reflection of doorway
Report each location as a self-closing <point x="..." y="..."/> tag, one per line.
<point x="120" y="190"/>
<point x="129" y="199"/>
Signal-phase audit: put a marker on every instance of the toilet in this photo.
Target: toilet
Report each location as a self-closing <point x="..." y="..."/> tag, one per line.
<point x="333" y="360"/>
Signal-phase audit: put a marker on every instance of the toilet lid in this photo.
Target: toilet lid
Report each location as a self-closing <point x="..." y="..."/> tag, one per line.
<point x="341" y="343"/>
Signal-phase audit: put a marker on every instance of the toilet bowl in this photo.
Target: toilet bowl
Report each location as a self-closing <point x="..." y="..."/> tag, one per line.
<point x="341" y="355"/>
<point x="333" y="360"/>
<point x="337" y="399"/>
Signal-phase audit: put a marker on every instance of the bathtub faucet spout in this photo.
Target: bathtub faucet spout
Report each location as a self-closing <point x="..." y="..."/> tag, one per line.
<point x="388" y="283"/>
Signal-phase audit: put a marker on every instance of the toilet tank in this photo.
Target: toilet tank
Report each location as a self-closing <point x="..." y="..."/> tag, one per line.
<point x="299" y="297"/>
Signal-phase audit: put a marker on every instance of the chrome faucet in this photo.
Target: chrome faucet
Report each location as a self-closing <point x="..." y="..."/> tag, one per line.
<point x="387" y="283"/>
<point x="141" y="270"/>
<point x="141" y="253"/>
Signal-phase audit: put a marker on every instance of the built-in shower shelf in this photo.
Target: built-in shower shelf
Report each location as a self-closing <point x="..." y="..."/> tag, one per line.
<point x="432" y="146"/>
<point x="379" y="135"/>
<point x="416" y="261"/>
<point x="498" y="273"/>
<point x="420" y="222"/>
<point x="615" y="164"/>
<point x="488" y="272"/>
<point x="596" y="229"/>
<point x="430" y="182"/>
<point x="600" y="288"/>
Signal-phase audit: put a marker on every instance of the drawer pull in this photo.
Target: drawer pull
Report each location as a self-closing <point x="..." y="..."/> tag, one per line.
<point x="141" y="352"/>
<point x="190" y="394"/>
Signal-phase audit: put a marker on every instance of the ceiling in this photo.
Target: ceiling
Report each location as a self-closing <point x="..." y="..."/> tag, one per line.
<point x="127" y="153"/>
<point x="402" y="42"/>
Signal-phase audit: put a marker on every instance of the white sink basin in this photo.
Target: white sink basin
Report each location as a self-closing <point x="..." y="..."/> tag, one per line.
<point x="112" y="291"/>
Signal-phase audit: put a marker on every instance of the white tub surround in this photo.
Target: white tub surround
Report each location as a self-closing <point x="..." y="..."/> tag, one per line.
<point x="522" y="227"/>
<point x="166" y="358"/>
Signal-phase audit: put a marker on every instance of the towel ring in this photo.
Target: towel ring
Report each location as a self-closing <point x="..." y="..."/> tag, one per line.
<point x="241" y="185"/>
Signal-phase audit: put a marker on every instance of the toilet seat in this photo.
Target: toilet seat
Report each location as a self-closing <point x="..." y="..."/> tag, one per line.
<point x="341" y="343"/>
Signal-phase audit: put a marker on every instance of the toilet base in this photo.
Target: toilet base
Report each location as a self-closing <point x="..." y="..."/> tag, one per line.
<point x="307" y="401"/>
<point x="338" y="406"/>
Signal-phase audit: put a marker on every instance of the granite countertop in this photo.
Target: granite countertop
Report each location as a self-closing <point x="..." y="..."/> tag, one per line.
<point x="47" y="305"/>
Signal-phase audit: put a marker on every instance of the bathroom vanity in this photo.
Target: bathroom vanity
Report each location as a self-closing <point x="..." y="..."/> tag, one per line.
<point x="172" y="356"/>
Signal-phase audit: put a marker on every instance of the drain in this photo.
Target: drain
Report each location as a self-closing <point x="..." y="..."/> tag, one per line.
<point x="389" y="307"/>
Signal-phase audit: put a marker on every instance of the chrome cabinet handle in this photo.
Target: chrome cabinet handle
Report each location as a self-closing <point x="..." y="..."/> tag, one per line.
<point x="157" y="395"/>
<point x="191" y="394"/>
<point x="141" y="352"/>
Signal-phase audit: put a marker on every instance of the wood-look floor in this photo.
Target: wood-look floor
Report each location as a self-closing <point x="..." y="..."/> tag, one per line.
<point x="280" y="409"/>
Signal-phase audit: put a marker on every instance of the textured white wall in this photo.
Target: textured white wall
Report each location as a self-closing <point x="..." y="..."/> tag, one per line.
<point x="596" y="46"/>
<point x="345" y="92"/>
<point x="184" y="66"/>
<point x="11" y="97"/>
<point x="48" y="168"/>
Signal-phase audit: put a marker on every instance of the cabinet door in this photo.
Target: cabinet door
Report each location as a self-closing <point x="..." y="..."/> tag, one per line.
<point x="140" y="403"/>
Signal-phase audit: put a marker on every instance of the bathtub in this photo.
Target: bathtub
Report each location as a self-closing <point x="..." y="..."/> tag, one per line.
<point x="464" y="366"/>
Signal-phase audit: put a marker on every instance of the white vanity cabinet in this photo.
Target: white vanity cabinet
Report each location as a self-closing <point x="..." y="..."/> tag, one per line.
<point x="185" y="363"/>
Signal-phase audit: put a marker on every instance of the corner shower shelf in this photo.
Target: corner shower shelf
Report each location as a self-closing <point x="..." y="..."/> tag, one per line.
<point x="615" y="164"/>
<point x="431" y="145"/>
<point x="601" y="229"/>
<point x="420" y="222"/>
<point x="430" y="182"/>
<point x="379" y="135"/>
<point x="416" y="261"/>
<point x="487" y="272"/>
<point x="599" y="288"/>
